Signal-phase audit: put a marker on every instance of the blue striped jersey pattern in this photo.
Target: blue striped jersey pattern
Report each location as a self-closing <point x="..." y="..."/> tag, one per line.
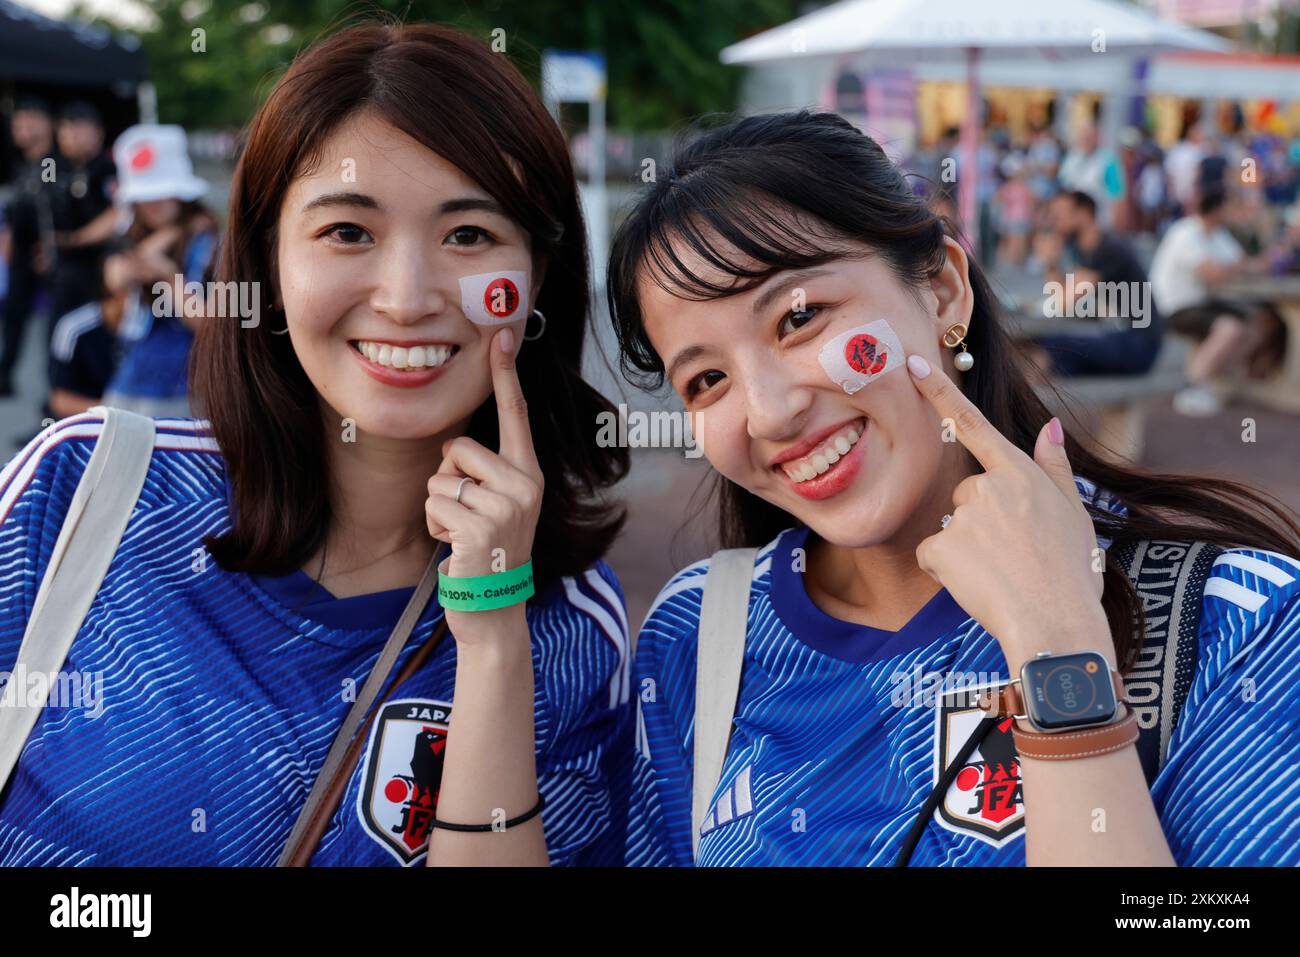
<point x="842" y="731"/>
<point x="214" y="704"/>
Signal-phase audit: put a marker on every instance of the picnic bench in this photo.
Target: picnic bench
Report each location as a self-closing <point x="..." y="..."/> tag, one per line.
<point x="1114" y="407"/>
<point x="1110" y="407"/>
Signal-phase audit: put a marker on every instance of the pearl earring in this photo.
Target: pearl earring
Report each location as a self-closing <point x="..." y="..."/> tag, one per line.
<point x="954" y="337"/>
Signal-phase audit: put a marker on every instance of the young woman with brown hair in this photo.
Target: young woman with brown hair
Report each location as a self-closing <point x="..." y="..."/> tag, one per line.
<point x="405" y="212"/>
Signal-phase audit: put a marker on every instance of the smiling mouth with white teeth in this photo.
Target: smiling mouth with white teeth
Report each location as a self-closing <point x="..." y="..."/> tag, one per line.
<point x="827" y="453"/>
<point x="404" y="357"/>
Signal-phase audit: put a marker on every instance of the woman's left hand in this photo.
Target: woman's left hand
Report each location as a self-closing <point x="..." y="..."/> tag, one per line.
<point x="1020" y="553"/>
<point x="491" y="528"/>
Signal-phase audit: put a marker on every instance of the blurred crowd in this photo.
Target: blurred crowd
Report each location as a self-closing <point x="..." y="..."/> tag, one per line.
<point x="1210" y="209"/>
<point x="88" y="233"/>
<point x="89" y="230"/>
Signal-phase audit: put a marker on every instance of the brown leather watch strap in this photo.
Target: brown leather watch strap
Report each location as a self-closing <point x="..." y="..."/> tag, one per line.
<point x="1083" y="743"/>
<point x="1006" y="701"/>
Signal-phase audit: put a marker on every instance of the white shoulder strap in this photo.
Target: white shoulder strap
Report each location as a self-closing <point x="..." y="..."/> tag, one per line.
<point x="96" y="519"/>
<point x="720" y="650"/>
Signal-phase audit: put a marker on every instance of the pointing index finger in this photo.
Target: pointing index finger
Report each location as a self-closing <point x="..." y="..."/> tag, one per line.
<point x="989" y="446"/>
<point x="512" y="408"/>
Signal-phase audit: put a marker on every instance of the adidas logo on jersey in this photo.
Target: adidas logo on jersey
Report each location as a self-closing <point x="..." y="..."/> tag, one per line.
<point x="733" y="803"/>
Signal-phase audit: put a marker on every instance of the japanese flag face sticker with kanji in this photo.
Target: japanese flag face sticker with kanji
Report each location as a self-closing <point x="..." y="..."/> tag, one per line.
<point x="861" y="355"/>
<point x="493" y="298"/>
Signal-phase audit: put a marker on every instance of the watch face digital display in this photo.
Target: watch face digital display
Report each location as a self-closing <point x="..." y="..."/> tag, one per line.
<point x="1068" y="691"/>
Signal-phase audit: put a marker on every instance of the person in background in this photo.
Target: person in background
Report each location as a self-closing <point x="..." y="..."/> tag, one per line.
<point x="1182" y="163"/>
<point x="1044" y="160"/>
<point x="988" y="160"/>
<point x="1285" y="257"/>
<point x="84" y="352"/>
<point x="171" y="234"/>
<point x="1212" y="170"/>
<point x="1130" y="164"/>
<point x="29" y="241"/>
<point x="1151" y="191"/>
<point x="1279" y="175"/>
<point x="1095" y="170"/>
<point x="1099" y="256"/>
<point x="1014" y="203"/>
<point x="81" y="209"/>
<point x="937" y="166"/>
<point x="1196" y="254"/>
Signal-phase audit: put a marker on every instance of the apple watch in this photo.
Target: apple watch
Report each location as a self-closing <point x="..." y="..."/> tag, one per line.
<point x="1072" y="701"/>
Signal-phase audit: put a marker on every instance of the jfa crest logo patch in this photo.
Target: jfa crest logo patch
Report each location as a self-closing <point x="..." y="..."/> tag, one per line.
<point x="403" y="774"/>
<point x="985" y="800"/>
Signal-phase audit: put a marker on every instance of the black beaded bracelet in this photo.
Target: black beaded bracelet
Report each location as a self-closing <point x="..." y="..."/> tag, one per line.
<point x="526" y="816"/>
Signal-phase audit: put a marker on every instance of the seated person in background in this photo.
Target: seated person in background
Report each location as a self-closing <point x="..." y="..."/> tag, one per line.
<point x="1285" y="257"/>
<point x="1099" y="257"/>
<point x="84" y="353"/>
<point x="1196" y="254"/>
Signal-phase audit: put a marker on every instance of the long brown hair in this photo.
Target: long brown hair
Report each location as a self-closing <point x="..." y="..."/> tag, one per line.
<point x="728" y="181"/>
<point x="449" y="92"/>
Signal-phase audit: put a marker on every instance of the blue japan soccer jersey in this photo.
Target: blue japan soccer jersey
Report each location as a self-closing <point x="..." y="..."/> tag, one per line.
<point x="842" y="731"/>
<point x="207" y="700"/>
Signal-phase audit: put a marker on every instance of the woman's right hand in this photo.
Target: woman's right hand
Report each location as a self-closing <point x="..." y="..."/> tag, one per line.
<point x="491" y="528"/>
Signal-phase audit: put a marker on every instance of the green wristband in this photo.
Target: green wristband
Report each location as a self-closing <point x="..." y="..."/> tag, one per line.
<point x="486" y="592"/>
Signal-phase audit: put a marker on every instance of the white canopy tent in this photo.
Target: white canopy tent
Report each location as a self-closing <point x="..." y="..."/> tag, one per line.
<point x="894" y="32"/>
<point x="1192" y="75"/>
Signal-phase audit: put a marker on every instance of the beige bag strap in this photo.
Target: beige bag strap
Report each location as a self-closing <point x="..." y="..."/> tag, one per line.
<point x="93" y="527"/>
<point x="719" y="654"/>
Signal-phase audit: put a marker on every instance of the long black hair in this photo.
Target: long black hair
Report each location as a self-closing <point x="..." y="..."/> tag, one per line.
<point x="792" y="190"/>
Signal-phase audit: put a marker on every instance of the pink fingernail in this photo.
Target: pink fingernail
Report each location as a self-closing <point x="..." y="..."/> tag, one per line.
<point x="920" y="368"/>
<point x="1054" y="431"/>
<point x="507" y="340"/>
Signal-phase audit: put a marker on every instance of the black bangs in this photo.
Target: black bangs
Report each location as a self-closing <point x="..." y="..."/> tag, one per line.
<point x="738" y="231"/>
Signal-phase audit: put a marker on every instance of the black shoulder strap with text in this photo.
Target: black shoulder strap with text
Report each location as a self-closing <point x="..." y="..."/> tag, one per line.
<point x="1170" y="581"/>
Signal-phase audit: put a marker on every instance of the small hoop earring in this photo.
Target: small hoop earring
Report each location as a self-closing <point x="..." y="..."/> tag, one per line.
<point x="539" y="315"/>
<point x="954" y="337"/>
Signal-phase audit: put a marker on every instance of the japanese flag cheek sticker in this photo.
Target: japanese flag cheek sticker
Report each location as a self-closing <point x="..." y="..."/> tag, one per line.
<point x="854" y="358"/>
<point x="493" y="298"/>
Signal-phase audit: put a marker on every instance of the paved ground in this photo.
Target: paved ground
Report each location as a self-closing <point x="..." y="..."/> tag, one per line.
<point x="671" y="521"/>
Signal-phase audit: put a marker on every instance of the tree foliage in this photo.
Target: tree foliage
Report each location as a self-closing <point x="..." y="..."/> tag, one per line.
<point x="662" y="55"/>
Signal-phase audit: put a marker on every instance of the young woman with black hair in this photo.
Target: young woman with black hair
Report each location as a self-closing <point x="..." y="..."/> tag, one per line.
<point x="916" y="657"/>
<point x="405" y="213"/>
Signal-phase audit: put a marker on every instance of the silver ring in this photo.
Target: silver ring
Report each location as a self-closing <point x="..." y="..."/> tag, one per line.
<point x="943" y="522"/>
<point x="461" y="486"/>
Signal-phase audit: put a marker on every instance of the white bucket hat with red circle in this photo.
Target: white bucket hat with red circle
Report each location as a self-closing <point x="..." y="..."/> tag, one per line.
<point x="152" y="163"/>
